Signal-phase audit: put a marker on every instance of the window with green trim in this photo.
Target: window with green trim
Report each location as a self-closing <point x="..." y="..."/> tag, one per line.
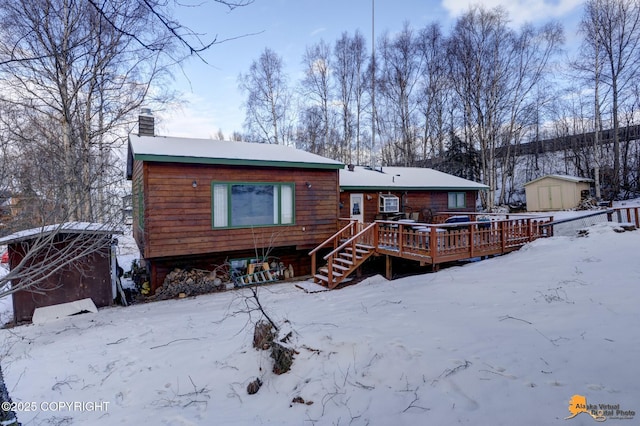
<point x="239" y="205"/>
<point x="457" y="200"/>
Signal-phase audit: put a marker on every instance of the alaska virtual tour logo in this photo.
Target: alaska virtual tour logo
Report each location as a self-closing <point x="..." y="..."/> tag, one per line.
<point x="599" y="412"/>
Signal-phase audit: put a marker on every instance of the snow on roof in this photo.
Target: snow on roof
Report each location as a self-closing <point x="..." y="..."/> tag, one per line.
<point x="208" y="151"/>
<point x="64" y="228"/>
<point x="404" y="178"/>
<point x="562" y="177"/>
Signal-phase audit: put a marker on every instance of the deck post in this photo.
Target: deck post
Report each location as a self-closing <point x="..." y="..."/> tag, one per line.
<point x="313" y="266"/>
<point x="376" y="235"/>
<point x="400" y="237"/>
<point x="471" y="241"/>
<point x="388" y="264"/>
<point x="503" y="236"/>
<point x="433" y="243"/>
<point x="330" y="272"/>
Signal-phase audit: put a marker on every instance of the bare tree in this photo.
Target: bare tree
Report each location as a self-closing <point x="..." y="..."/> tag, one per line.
<point x="78" y="95"/>
<point x="612" y="28"/>
<point x="350" y="59"/>
<point x="401" y="70"/>
<point x="495" y="72"/>
<point x="268" y="99"/>
<point x="434" y="101"/>
<point x="317" y="92"/>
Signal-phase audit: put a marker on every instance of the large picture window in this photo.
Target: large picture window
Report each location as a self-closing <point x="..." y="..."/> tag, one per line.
<point x="457" y="200"/>
<point x="238" y="205"/>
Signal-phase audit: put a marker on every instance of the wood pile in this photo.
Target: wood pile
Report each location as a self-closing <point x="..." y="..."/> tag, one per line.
<point x="189" y="282"/>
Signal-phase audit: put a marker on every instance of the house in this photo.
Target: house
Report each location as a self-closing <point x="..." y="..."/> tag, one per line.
<point x="556" y="192"/>
<point x="72" y="261"/>
<point x="369" y="193"/>
<point x="200" y="203"/>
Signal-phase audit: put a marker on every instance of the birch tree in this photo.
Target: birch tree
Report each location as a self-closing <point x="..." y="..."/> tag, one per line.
<point x="612" y="28"/>
<point x="268" y="99"/>
<point x="73" y="82"/>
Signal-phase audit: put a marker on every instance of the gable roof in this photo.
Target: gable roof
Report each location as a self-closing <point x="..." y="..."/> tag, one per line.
<point x="208" y="151"/>
<point x="567" y="178"/>
<point x="404" y="178"/>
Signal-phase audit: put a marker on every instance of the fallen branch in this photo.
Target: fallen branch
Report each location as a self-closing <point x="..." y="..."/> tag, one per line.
<point x="174" y="341"/>
<point x="514" y="318"/>
<point x="412" y="403"/>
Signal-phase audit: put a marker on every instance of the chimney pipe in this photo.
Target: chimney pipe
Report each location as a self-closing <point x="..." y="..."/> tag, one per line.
<point x="146" y="125"/>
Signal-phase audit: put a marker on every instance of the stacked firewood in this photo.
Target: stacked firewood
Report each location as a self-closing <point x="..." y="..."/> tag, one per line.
<point x="189" y="282"/>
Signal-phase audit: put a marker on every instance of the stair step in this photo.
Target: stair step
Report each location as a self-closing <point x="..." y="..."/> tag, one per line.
<point x="340" y="267"/>
<point x="322" y="278"/>
<point x="349" y="255"/>
<point x="342" y="260"/>
<point x="325" y="271"/>
<point x="365" y="246"/>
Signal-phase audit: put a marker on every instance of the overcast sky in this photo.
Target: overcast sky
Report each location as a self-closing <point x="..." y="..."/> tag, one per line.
<point x="288" y="27"/>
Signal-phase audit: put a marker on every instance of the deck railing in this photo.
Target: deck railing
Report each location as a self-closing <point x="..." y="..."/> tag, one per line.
<point x="437" y="243"/>
<point x="625" y="214"/>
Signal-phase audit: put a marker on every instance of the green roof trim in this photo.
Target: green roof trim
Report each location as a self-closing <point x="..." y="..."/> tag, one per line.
<point x="235" y="162"/>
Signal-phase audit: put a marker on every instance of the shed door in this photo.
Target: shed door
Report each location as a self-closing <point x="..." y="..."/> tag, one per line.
<point x="356" y="207"/>
<point x="550" y="197"/>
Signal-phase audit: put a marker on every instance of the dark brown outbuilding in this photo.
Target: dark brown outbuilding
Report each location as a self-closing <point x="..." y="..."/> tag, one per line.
<point x="72" y="260"/>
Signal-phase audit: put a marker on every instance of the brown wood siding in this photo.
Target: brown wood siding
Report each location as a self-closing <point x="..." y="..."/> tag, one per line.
<point x="178" y="216"/>
<point x="422" y="202"/>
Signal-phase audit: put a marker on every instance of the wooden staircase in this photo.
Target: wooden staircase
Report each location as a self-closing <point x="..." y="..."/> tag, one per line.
<point x="347" y="257"/>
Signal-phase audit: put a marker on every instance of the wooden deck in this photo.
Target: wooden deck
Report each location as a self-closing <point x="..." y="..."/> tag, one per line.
<point x="427" y="243"/>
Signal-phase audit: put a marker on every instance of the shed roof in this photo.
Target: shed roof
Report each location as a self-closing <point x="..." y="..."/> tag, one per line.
<point x="404" y="178"/>
<point x="208" y="151"/>
<point x="61" y="228"/>
<point x="567" y="178"/>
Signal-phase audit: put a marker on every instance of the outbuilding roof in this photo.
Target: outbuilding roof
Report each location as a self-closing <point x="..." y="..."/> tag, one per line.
<point x="61" y="228"/>
<point x="403" y="178"/>
<point x="567" y="178"/>
<point x="208" y="151"/>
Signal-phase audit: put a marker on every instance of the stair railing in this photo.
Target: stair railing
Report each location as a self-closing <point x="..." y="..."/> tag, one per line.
<point x="346" y="232"/>
<point x="369" y="235"/>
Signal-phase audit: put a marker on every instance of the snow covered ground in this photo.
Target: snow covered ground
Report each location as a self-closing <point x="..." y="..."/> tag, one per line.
<point x="504" y="341"/>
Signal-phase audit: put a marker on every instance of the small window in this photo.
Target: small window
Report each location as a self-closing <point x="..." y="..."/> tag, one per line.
<point x="389" y="203"/>
<point x="238" y="205"/>
<point x="457" y="200"/>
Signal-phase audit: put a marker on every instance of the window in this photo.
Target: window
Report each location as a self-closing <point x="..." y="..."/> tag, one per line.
<point x="457" y="200"/>
<point x="389" y="203"/>
<point x="238" y="205"/>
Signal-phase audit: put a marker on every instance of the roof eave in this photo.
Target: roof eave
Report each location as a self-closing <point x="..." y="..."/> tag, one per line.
<point x="236" y="162"/>
<point x="410" y="188"/>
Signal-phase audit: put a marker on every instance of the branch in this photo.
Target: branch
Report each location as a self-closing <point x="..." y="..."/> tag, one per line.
<point x="174" y="341"/>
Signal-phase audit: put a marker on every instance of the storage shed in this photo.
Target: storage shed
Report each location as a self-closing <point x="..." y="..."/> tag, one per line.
<point x="556" y="192"/>
<point x="68" y="262"/>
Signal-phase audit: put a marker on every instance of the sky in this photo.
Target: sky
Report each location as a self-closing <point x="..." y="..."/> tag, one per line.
<point x="508" y="340"/>
<point x="212" y="100"/>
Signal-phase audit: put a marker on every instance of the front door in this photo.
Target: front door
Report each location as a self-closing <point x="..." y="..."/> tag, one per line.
<point x="356" y="207"/>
